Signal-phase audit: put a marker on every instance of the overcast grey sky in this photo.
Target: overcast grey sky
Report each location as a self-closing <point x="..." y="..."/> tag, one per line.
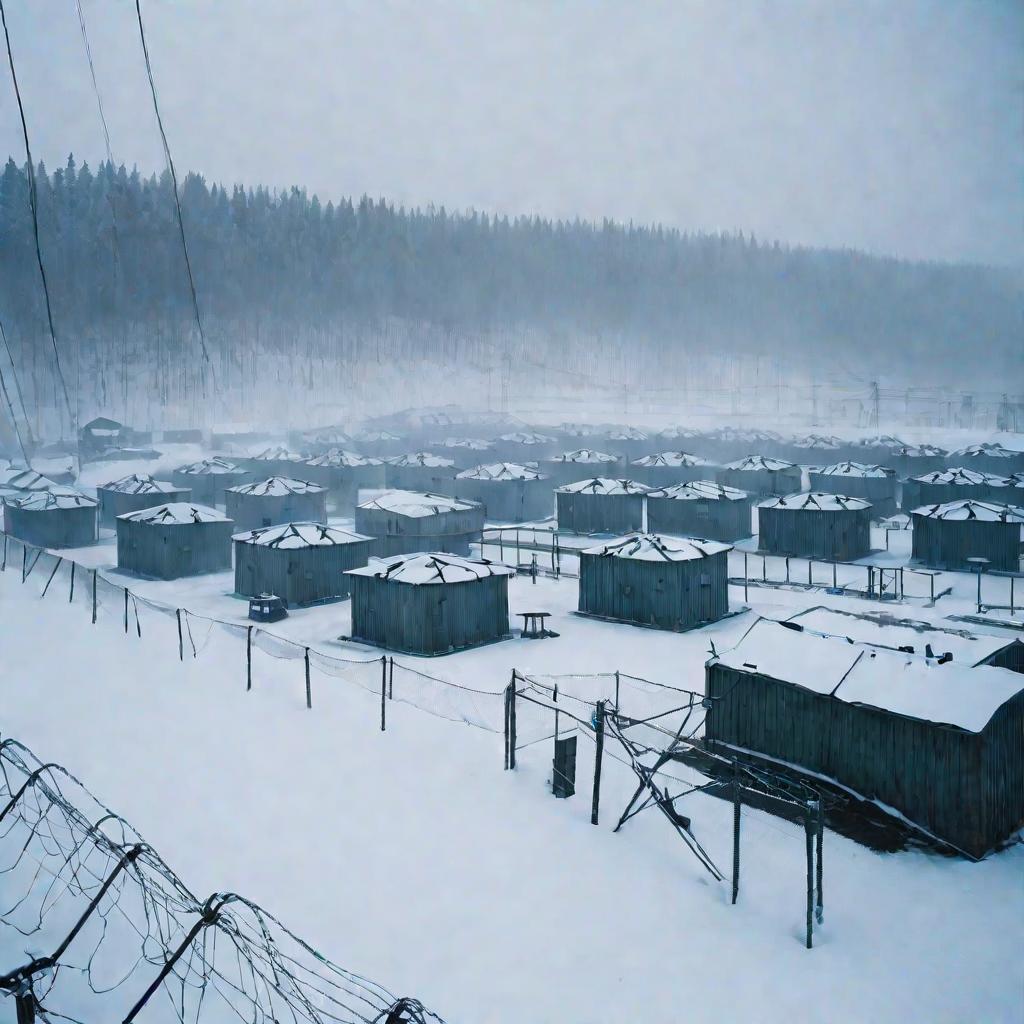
<point x="889" y="125"/>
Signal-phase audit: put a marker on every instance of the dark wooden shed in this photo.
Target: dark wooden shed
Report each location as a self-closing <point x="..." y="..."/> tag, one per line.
<point x="601" y="505"/>
<point x="420" y="471"/>
<point x="665" y="582"/>
<point x="580" y="464"/>
<point x="57" y="518"/>
<point x="761" y="476"/>
<point x="946" y="536"/>
<point x="402" y="522"/>
<point x="943" y="744"/>
<point x="101" y="433"/>
<point x="302" y="563"/>
<point x="665" y="469"/>
<point x="832" y="527"/>
<point x="509" y="493"/>
<point x="957" y="484"/>
<point x="875" y="484"/>
<point x="344" y="474"/>
<point x="700" y="508"/>
<point x="209" y="479"/>
<point x="175" y="540"/>
<point x="988" y="457"/>
<point x="430" y="603"/>
<point x="277" y="500"/>
<point x="138" y="490"/>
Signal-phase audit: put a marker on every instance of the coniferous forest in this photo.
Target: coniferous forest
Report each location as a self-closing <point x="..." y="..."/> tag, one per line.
<point x="318" y="283"/>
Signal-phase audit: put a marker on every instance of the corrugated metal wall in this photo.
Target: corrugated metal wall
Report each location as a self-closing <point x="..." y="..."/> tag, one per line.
<point x="54" y="527"/>
<point x="840" y="535"/>
<point x="667" y="595"/>
<point x="254" y="511"/>
<point x="762" y="483"/>
<point x="880" y="491"/>
<point x="966" y="788"/>
<point x="450" y="532"/>
<point x="436" y="479"/>
<point x="948" y="543"/>
<point x="667" y="476"/>
<point x="599" y="513"/>
<point x="117" y="503"/>
<point x="208" y="488"/>
<point x="429" y="619"/>
<point x="171" y="552"/>
<point x="715" y="519"/>
<point x="509" y="501"/>
<point x="298" y="575"/>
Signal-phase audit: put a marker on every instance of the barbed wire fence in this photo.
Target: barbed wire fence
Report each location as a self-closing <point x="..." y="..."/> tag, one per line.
<point x="123" y="938"/>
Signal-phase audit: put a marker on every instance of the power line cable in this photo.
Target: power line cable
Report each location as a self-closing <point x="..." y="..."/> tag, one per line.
<point x="17" y="387"/>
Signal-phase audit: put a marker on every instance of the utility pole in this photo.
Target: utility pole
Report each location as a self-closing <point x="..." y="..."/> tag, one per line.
<point x="875" y="402"/>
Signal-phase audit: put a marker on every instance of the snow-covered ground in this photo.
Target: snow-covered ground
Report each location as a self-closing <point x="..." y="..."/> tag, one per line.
<point x="411" y="857"/>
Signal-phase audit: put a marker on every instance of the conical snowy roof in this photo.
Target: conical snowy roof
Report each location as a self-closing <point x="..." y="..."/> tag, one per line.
<point x="139" y="483"/>
<point x="417" y="504"/>
<point x="337" y="458"/>
<point x="209" y="467"/>
<point x="277" y="487"/>
<point x="857" y="470"/>
<point x="651" y="547"/>
<point x="584" y="456"/>
<point x="176" y="513"/>
<point x="426" y="568"/>
<point x="288" y="536"/>
<point x="699" y="490"/>
<point x="603" y="485"/>
<point x="671" y="460"/>
<point x="426" y="460"/>
<point x="753" y="463"/>
<point x="817" y="501"/>
<point x="501" y="471"/>
<point x="960" y="477"/>
<point x="968" y="509"/>
<point x="45" y="501"/>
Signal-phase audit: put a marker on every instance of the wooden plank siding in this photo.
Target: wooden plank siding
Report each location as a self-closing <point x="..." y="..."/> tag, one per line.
<point x="948" y="543"/>
<point x="169" y="552"/>
<point x="54" y="527"/>
<point x="840" y="535"/>
<point x="599" y="513"/>
<point x="300" y="576"/>
<point x="716" y="519"/>
<point x="253" y="511"/>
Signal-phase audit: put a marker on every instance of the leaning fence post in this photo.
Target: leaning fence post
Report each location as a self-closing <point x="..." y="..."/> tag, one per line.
<point x="125" y="611"/>
<point x="810" y="567"/>
<point x="309" y="692"/>
<point x="595" y="805"/>
<point x="71" y="594"/>
<point x="383" y="688"/>
<point x="181" y="641"/>
<point x="248" y="658"/>
<point x="3" y="565"/>
<point x="744" y="576"/>
<point x="512" y="722"/>
<point x="617" y="709"/>
<point x="391" y="680"/>
<point x="737" y="803"/>
<point x="819" y="911"/>
<point x="24" y="562"/>
<point x="809" y="836"/>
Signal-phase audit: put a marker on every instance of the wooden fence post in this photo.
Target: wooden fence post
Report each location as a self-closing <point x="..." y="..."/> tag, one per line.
<point x="809" y="836"/>
<point x="126" y="611"/>
<point x="737" y="803"/>
<point x="512" y="722"/>
<point x="595" y="805"/>
<point x="3" y="565"/>
<point x="745" y="576"/>
<point x="71" y="593"/>
<point x="24" y="562"/>
<point x="94" y="597"/>
<point x="309" y="692"/>
<point x="181" y="639"/>
<point x="383" y="689"/>
<point x="617" y="708"/>
<point x="819" y="911"/>
<point x="391" y="680"/>
<point x="248" y="658"/>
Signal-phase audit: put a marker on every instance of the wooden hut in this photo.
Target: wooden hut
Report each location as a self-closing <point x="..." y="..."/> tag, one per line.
<point x="208" y="479"/>
<point x="401" y="522"/>
<point x="940" y="743"/>
<point x="875" y="484"/>
<point x="956" y="484"/>
<point x="832" y="527"/>
<point x="508" y="493"/>
<point x="628" y="443"/>
<point x="761" y="476"/>
<point x="946" y="536"/>
<point x="524" y="446"/>
<point x="279" y="499"/>
<point x="57" y="518"/>
<point x="170" y="541"/>
<point x="666" y="582"/>
<point x="430" y="603"/>
<point x="700" y="508"/>
<point x="344" y="474"/>
<point x="419" y="471"/>
<point x="465" y="452"/>
<point x="100" y="434"/>
<point x="579" y="464"/>
<point x="665" y="469"/>
<point x="138" y="490"/>
<point x="302" y="563"/>
<point x="601" y="505"/>
<point x="988" y="458"/>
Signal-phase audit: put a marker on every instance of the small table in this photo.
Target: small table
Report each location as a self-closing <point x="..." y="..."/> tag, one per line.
<point x="534" y="626"/>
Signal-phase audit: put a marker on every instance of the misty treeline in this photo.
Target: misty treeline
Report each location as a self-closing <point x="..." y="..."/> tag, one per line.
<point x="323" y="284"/>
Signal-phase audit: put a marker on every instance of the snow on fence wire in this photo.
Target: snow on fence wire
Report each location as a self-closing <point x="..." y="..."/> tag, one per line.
<point x="50" y="574"/>
<point x="121" y="937"/>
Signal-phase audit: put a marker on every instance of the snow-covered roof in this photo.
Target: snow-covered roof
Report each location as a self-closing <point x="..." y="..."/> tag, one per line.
<point x="627" y="434"/>
<point x="818" y="441"/>
<point x="672" y="460"/>
<point x="679" y="433"/>
<point x="579" y="429"/>
<point x="882" y="629"/>
<point x="373" y="436"/>
<point x="921" y="451"/>
<point x="425" y="459"/>
<point x="417" y="504"/>
<point x="103" y="425"/>
<point x="277" y="454"/>
<point x="501" y="471"/>
<point x="277" y="487"/>
<point x="906" y="684"/>
<point x="969" y="508"/>
<point x="299" y="535"/>
<point x="176" y="513"/>
<point x="880" y="441"/>
<point x="817" y="501"/>
<point x="45" y="501"/>
<point x="744" y="434"/>
<point x="652" y="547"/>
<point x="139" y="483"/>
<point x="527" y="437"/>
<point x="853" y="469"/>
<point x="476" y="444"/>
<point x="337" y="458"/>
<point x="961" y="477"/>
<point x="583" y="456"/>
<point x="995" y="451"/>
<point x="752" y="463"/>
<point x="699" y="490"/>
<point x="604" y="485"/>
<point x="328" y="435"/>
<point x="209" y="467"/>
<point x="426" y="568"/>
<point x="25" y="480"/>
